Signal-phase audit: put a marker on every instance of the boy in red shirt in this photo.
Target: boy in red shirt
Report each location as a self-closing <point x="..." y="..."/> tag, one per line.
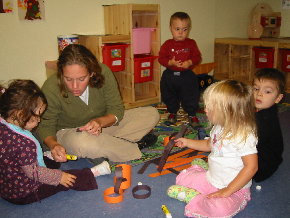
<point x="179" y="85"/>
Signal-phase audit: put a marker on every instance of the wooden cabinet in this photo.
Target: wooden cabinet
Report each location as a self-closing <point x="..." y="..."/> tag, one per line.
<point x="235" y="57"/>
<point x="120" y="19"/>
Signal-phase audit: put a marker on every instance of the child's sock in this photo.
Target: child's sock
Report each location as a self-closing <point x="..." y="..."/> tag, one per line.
<point x="101" y="169"/>
<point x="200" y="162"/>
<point x="181" y="193"/>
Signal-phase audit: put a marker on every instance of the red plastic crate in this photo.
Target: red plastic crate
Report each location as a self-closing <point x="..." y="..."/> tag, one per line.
<point x="143" y="68"/>
<point x="264" y="57"/>
<point x="114" y="56"/>
<point x="285" y="60"/>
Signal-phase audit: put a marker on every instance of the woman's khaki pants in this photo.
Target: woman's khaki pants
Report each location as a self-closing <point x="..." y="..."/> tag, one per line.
<point x="117" y="143"/>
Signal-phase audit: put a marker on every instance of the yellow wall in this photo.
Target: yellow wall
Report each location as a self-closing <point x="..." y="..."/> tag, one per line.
<point x="233" y="16"/>
<point x="26" y="45"/>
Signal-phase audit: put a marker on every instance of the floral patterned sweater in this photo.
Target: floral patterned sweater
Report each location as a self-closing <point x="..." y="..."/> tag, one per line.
<point x="20" y="173"/>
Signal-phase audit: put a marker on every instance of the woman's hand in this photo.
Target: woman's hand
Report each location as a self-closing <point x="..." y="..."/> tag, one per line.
<point x="67" y="179"/>
<point x="93" y="127"/>
<point x="58" y="153"/>
<point x="57" y="150"/>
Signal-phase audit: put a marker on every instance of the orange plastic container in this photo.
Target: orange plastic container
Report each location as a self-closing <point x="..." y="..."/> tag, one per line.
<point x="143" y="68"/>
<point x="114" y="55"/>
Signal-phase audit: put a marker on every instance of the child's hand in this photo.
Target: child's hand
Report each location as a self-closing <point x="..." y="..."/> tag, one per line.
<point x="67" y="179"/>
<point x="222" y="193"/>
<point x="174" y="62"/>
<point x="186" y="64"/>
<point x="181" y="142"/>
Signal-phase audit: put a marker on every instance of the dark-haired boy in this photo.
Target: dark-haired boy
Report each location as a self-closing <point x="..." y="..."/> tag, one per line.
<point x="269" y="84"/>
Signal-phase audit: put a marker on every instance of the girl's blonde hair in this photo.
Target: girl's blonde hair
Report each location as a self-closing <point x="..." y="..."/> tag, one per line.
<point x="233" y="108"/>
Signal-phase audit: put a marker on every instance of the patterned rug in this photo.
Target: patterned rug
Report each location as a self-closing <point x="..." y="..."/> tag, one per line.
<point x="163" y="131"/>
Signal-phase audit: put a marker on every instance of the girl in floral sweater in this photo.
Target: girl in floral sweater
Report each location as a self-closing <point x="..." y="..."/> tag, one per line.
<point x="24" y="178"/>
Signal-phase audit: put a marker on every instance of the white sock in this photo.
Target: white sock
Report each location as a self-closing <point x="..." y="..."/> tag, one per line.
<point x="101" y="169"/>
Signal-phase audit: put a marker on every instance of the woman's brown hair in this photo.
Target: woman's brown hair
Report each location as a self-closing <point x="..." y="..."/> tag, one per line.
<point x="79" y="54"/>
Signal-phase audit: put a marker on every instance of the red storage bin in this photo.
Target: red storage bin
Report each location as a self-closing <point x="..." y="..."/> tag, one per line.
<point x="285" y="60"/>
<point x="264" y="57"/>
<point x="114" y="56"/>
<point x="143" y="68"/>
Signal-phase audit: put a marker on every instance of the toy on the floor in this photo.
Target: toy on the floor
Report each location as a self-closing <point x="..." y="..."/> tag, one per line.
<point x="180" y="160"/>
<point x="166" y="211"/>
<point x="141" y="187"/>
<point x="122" y="177"/>
<point x="173" y="162"/>
<point x="169" y="147"/>
<point x="122" y="182"/>
<point x="68" y="156"/>
<point x="176" y="161"/>
<point x="71" y="157"/>
<point x="114" y="195"/>
<point x="202" y="72"/>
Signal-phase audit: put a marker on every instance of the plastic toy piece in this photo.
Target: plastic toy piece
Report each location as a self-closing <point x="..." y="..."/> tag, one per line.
<point x="166" y="211"/>
<point x="169" y="170"/>
<point x="125" y="174"/>
<point x="112" y="199"/>
<point x="169" y="147"/>
<point x="118" y="179"/>
<point x="71" y="157"/>
<point x="122" y="177"/>
<point x="122" y="182"/>
<point x="141" y="187"/>
<point x="168" y="138"/>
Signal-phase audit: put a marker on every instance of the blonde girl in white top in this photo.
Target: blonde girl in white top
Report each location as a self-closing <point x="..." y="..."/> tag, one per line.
<point x="223" y="189"/>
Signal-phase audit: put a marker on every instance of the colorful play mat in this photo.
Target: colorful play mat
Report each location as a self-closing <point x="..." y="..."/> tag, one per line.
<point x="163" y="131"/>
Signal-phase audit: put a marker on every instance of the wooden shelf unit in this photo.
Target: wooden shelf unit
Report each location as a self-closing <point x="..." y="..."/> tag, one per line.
<point x="235" y="57"/>
<point x="120" y="19"/>
<point x="95" y="44"/>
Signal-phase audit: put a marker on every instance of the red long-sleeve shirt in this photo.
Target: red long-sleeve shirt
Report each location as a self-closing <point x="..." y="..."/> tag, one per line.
<point x="181" y="50"/>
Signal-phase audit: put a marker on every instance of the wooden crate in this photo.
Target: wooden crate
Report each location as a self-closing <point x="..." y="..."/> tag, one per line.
<point x="235" y="57"/>
<point x="96" y="42"/>
<point x="121" y="19"/>
<point x="222" y="59"/>
<point x="204" y="68"/>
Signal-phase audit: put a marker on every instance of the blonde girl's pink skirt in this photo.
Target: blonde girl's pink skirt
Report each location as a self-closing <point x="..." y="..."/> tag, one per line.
<point x="201" y="206"/>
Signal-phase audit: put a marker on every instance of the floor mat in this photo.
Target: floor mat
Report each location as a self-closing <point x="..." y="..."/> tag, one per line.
<point x="162" y="131"/>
